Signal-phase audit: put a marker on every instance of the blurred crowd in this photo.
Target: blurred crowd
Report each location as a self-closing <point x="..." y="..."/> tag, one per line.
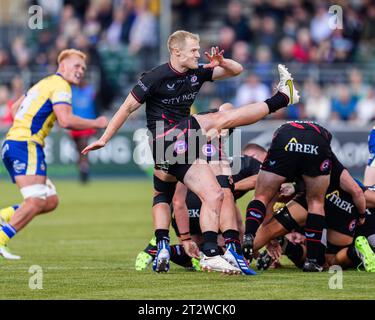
<point x="122" y="40"/>
<point x="261" y="33"/>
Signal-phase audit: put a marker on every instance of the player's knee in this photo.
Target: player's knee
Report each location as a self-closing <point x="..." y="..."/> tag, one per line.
<point x="178" y="204"/>
<point x="164" y="191"/>
<point x="36" y="205"/>
<point x="35" y="196"/>
<point x="214" y="198"/>
<point x="315" y="205"/>
<point x="51" y="203"/>
<point x="52" y="200"/>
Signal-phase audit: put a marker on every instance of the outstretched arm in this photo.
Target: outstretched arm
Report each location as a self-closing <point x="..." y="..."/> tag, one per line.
<point x="122" y="114"/>
<point x="223" y="68"/>
<point x="68" y="120"/>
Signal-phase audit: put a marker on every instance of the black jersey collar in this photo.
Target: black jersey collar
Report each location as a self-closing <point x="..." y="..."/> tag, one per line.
<point x="175" y="71"/>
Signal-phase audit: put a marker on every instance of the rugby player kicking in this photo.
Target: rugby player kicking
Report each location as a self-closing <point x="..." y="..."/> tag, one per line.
<point x="169" y="90"/>
<point x="171" y="140"/>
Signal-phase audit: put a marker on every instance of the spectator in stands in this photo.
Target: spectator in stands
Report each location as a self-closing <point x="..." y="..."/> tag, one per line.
<point x="91" y="26"/>
<point x="301" y="50"/>
<point x="319" y="25"/>
<point x="4" y="57"/>
<point x="251" y="91"/>
<point x="344" y="104"/>
<point x="241" y="52"/>
<point x="237" y="20"/>
<point x="366" y="108"/>
<point x="317" y="103"/>
<point x="263" y="66"/>
<point x="144" y="37"/>
<point x="286" y="50"/>
<point x="356" y="86"/>
<point x="226" y="41"/>
<point x="83" y="106"/>
<point x="342" y="47"/>
<point x="268" y="35"/>
<point x="5" y="104"/>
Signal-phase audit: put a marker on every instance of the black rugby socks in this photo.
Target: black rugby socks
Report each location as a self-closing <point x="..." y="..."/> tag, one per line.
<point x="179" y="256"/>
<point x="277" y="101"/>
<point x="294" y="252"/>
<point x="210" y="247"/>
<point x="314" y="227"/>
<point x="232" y="238"/>
<point x="162" y="236"/>
<point x="255" y="213"/>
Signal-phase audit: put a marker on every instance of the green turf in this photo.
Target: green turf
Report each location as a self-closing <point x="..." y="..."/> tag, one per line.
<point x="87" y="250"/>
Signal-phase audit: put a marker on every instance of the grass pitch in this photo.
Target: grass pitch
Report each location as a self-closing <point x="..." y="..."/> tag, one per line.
<point x="87" y="248"/>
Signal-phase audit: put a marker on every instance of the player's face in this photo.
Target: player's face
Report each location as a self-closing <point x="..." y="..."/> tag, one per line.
<point x="74" y="69"/>
<point x="189" y="54"/>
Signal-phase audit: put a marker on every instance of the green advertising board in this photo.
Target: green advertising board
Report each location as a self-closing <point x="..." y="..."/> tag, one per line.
<point x="115" y="160"/>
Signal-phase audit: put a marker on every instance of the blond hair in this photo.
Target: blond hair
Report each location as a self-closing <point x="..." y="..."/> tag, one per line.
<point x="177" y="39"/>
<point x="68" y="52"/>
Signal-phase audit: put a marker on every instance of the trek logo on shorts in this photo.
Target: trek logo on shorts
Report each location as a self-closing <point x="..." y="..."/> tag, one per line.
<point x="194" y="213"/>
<point x="334" y="198"/>
<point x="294" y="146"/>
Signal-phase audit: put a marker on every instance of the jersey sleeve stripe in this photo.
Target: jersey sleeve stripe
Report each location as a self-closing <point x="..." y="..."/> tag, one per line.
<point x="61" y="102"/>
<point x="135" y="96"/>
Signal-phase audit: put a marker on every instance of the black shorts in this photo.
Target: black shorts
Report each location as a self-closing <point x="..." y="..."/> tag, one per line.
<point x="176" y="148"/>
<point x="344" y="223"/>
<point x="296" y="151"/>
<point x="334" y="249"/>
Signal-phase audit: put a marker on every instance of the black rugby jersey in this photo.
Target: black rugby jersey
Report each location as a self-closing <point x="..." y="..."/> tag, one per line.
<point x="249" y="167"/>
<point x="306" y="125"/>
<point x="169" y="94"/>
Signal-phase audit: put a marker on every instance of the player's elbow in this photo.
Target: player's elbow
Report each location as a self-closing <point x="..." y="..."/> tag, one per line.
<point x="238" y="70"/>
<point x="63" y="123"/>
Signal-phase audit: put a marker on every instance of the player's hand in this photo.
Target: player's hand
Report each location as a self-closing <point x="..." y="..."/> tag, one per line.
<point x="274" y="249"/>
<point x="191" y="248"/>
<point x="98" y="144"/>
<point x="287" y="189"/>
<point x="361" y="221"/>
<point x="295" y="238"/>
<point x="216" y="57"/>
<point x="101" y="122"/>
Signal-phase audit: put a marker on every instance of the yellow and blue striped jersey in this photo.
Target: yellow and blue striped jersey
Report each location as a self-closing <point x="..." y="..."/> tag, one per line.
<point x="35" y="117"/>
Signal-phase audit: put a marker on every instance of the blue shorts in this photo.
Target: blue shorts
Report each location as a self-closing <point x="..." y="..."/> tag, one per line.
<point x="371" y="148"/>
<point x="23" y="158"/>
